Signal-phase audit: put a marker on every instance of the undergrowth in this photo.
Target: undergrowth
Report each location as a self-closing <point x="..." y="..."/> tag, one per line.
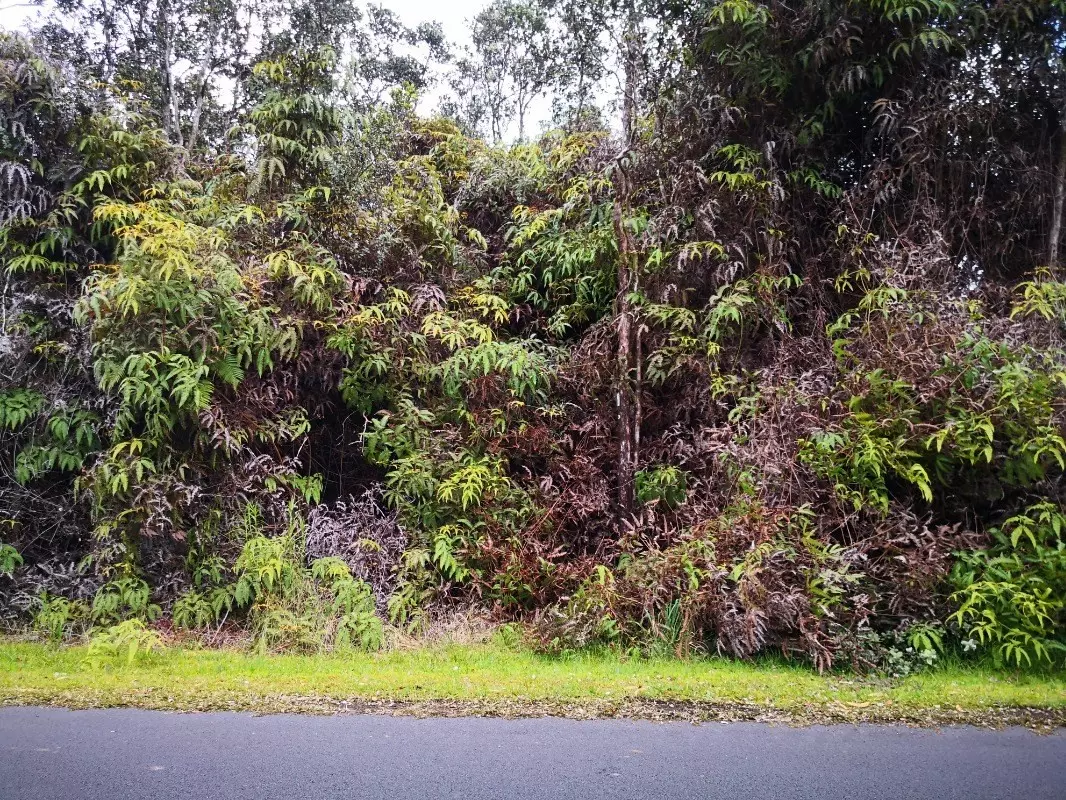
<point x="780" y="369"/>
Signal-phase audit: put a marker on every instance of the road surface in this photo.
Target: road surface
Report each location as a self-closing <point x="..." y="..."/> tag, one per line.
<point x="54" y="754"/>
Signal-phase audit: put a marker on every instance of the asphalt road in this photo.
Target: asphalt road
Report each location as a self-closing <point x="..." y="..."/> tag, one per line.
<point x="111" y="755"/>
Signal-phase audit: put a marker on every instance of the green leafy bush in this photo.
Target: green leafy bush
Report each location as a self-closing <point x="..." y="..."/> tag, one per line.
<point x="59" y="618"/>
<point x="122" y="599"/>
<point x="10" y="559"/>
<point x="662" y="484"/>
<point x="1011" y="595"/>
<point x="129" y="641"/>
<point x="291" y="606"/>
<point x="194" y="610"/>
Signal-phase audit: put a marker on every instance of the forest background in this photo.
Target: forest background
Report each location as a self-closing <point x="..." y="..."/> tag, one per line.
<point x="756" y="347"/>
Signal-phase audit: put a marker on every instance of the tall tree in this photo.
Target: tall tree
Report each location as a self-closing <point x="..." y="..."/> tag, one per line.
<point x="1055" y="85"/>
<point x="192" y="59"/>
<point x="512" y="59"/>
<point x="581" y="54"/>
<point x="385" y="54"/>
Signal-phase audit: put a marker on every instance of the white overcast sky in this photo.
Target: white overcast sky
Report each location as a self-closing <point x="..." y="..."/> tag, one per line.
<point x="453" y="14"/>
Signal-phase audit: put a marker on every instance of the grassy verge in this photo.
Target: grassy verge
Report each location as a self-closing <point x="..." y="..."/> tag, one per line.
<point x="494" y="679"/>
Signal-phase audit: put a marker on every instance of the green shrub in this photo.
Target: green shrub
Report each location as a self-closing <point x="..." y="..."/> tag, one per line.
<point x="124" y="598"/>
<point x="130" y="641"/>
<point x="197" y="610"/>
<point x="291" y="606"/>
<point x="59" y="617"/>
<point x="10" y="559"/>
<point x="666" y="485"/>
<point x="1011" y="595"/>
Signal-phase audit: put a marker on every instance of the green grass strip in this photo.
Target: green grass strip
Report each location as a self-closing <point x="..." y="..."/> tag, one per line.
<point x="492" y="678"/>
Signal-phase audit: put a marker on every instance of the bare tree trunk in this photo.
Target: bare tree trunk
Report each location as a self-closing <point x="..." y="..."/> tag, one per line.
<point x="175" y="108"/>
<point x="625" y="384"/>
<point x="632" y="46"/>
<point x="165" y="28"/>
<point x="204" y="75"/>
<point x="197" y="113"/>
<point x="496" y="112"/>
<point x="627" y="379"/>
<point x="1059" y="198"/>
<point x="576" y="116"/>
<point x="108" y="23"/>
<point x="638" y="410"/>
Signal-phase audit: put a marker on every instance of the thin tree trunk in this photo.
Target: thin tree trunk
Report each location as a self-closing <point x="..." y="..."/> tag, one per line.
<point x="165" y="28"/>
<point x="496" y="114"/>
<point x="625" y="388"/>
<point x="108" y="23"/>
<point x="206" y="68"/>
<point x="1059" y="198"/>
<point x="175" y="108"/>
<point x="627" y="379"/>
<point x="638" y="412"/>
<point x="166" y="73"/>
<point x="631" y="45"/>
<point x="576" y="116"/>
<point x="197" y="113"/>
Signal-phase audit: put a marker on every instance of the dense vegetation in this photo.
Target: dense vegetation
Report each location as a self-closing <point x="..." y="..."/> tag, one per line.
<point x="774" y="363"/>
